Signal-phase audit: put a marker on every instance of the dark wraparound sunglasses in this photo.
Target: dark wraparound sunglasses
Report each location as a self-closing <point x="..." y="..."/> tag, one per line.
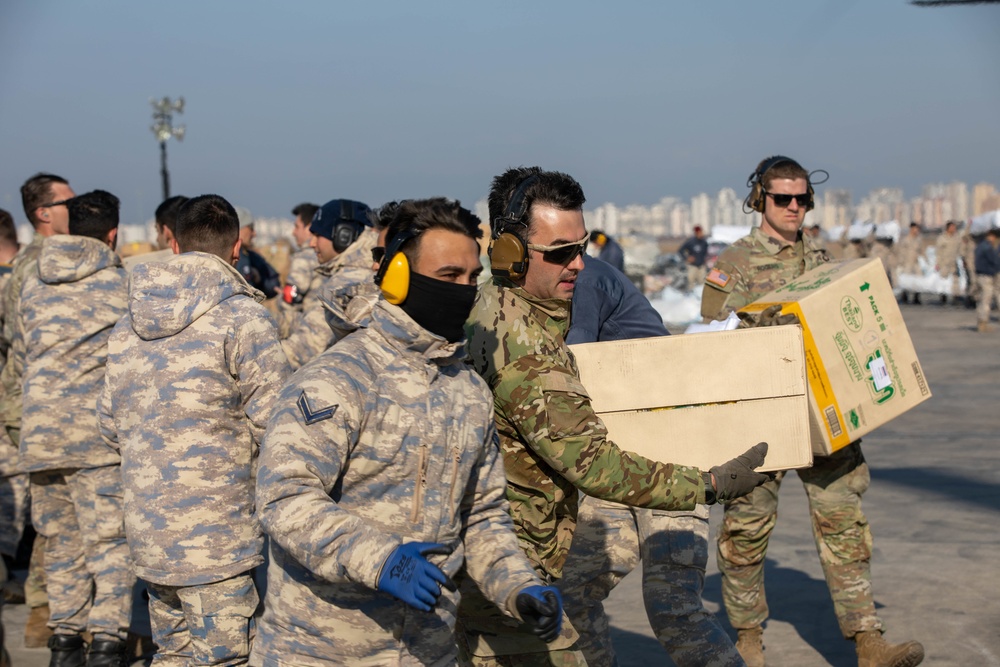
<point x="564" y="253"/>
<point x="55" y="203"/>
<point x="378" y="252"/>
<point x="784" y="200"/>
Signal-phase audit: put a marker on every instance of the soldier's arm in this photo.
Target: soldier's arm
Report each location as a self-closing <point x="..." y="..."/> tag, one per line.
<point x="261" y="368"/>
<point x="305" y="448"/>
<point x="310" y="337"/>
<point x="300" y="274"/>
<point x="724" y="291"/>
<point x="105" y="413"/>
<point x="493" y="558"/>
<point x="552" y="413"/>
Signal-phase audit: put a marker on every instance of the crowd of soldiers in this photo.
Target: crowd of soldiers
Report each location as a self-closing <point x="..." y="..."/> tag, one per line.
<point x="401" y="467"/>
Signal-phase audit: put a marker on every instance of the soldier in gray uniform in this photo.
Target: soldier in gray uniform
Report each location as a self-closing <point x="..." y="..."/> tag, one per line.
<point x="193" y="370"/>
<point x="380" y="480"/>
<point x="69" y="304"/>
<point x="301" y="277"/>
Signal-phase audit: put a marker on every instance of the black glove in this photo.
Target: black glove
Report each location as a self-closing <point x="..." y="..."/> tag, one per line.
<point x="769" y="317"/>
<point x="541" y="608"/>
<point x="737" y="478"/>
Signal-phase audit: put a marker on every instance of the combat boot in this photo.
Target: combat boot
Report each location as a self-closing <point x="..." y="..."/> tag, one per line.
<point x="750" y="644"/>
<point x="984" y="327"/>
<point x="108" y="653"/>
<point x="875" y="651"/>
<point x="67" y="651"/>
<point x="37" y="630"/>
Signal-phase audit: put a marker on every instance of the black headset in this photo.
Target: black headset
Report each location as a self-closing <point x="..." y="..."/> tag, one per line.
<point x="755" y="200"/>
<point x="508" y="250"/>
<point x="347" y="230"/>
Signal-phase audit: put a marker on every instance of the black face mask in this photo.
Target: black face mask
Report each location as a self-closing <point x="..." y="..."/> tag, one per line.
<point x="438" y="306"/>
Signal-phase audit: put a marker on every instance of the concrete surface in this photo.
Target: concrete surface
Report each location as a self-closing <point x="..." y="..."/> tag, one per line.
<point x="934" y="507"/>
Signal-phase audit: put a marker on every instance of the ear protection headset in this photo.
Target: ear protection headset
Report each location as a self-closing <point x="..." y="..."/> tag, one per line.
<point x="755" y="200"/>
<point x="393" y="274"/>
<point x="508" y="250"/>
<point x="347" y="229"/>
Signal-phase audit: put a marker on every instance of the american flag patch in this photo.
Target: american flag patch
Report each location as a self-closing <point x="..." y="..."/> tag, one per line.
<point x="717" y="277"/>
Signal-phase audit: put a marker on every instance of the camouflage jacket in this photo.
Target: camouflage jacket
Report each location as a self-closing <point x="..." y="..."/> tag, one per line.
<point x="193" y="371"/>
<point x="907" y="253"/>
<point x="8" y="450"/>
<point x="68" y="309"/>
<point x="301" y="271"/>
<point x="385" y="438"/>
<point x="946" y="254"/>
<point x="12" y="374"/>
<point x="753" y="266"/>
<point x="349" y="306"/>
<point x="311" y="333"/>
<point x="553" y="443"/>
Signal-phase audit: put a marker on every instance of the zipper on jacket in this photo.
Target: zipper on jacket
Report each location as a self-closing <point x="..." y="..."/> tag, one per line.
<point x="452" y="502"/>
<point x="418" y="487"/>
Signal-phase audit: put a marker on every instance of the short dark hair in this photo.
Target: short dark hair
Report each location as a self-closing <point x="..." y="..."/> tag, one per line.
<point x="208" y="224"/>
<point x="166" y="212"/>
<point x="917" y="225"/>
<point x="36" y="192"/>
<point x="93" y="214"/>
<point x="383" y="215"/>
<point x="950" y="223"/>
<point x="784" y="169"/>
<point x="552" y="188"/>
<point x="8" y="230"/>
<point x="415" y="216"/>
<point x="306" y="211"/>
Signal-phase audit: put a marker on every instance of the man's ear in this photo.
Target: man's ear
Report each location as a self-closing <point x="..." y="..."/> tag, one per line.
<point x="168" y="236"/>
<point x="236" y="252"/>
<point x="173" y="244"/>
<point x="112" y="238"/>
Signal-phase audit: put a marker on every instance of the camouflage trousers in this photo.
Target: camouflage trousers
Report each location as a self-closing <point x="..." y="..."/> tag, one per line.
<point x="88" y="570"/>
<point x="35" y="594"/>
<point x="696" y="275"/>
<point x="14" y="497"/>
<point x="209" y="624"/>
<point x="989" y="290"/>
<point x="609" y="541"/>
<point x="834" y="485"/>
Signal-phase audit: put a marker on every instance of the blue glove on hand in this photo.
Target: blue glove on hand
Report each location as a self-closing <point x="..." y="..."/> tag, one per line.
<point x="541" y="608"/>
<point x="407" y="575"/>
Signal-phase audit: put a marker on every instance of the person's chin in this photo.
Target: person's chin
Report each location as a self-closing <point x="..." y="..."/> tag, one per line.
<point x="565" y="290"/>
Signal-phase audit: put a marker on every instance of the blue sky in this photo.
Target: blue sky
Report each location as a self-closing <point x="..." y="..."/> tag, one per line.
<point x="378" y="100"/>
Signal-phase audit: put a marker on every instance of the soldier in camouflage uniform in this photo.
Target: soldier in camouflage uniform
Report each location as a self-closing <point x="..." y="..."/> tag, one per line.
<point x="69" y="305"/>
<point x="43" y="197"/>
<point x="553" y="444"/>
<point x="379" y="480"/>
<point x="301" y="277"/>
<point x="13" y="483"/>
<point x="193" y="370"/>
<point x="907" y="257"/>
<point x="769" y="257"/>
<point x="946" y="254"/>
<point x="342" y="240"/>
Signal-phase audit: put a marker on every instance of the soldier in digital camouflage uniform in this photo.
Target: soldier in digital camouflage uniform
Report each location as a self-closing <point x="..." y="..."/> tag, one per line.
<point x="69" y="304"/>
<point x="611" y="538"/>
<point x="342" y="241"/>
<point x="770" y="256"/>
<point x="907" y="256"/>
<point x="553" y="444"/>
<point x="946" y="255"/>
<point x="301" y="277"/>
<point x="193" y="371"/>
<point x="379" y="479"/>
<point x="43" y="197"/>
<point x="13" y="483"/>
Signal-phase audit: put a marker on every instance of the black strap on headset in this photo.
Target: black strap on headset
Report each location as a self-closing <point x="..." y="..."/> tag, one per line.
<point x="514" y="214"/>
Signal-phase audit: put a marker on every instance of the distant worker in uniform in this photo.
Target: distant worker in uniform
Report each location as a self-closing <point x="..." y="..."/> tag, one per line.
<point x="908" y="252"/>
<point x="967" y="253"/>
<point x="946" y="253"/>
<point x="335" y="229"/>
<point x="881" y="248"/>
<point x="165" y="221"/>
<point x="988" y="273"/>
<point x="301" y="278"/>
<point x="611" y="538"/>
<point x="554" y="445"/>
<point x="695" y="252"/>
<point x="818" y="237"/>
<point x="252" y="266"/>
<point x="770" y="256"/>
<point x="193" y="371"/>
<point x="69" y="304"/>
<point x="380" y="482"/>
<point x="610" y="250"/>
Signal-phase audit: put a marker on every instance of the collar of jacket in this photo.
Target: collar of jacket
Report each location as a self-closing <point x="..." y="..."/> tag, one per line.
<point x="773" y="246"/>
<point x="553" y="314"/>
<point x="66" y="258"/>
<point x="405" y="335"/>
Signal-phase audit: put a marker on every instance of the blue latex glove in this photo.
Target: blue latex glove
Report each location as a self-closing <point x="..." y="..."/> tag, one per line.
<point x="407" y="575"/>
<point x="541" y="608"/>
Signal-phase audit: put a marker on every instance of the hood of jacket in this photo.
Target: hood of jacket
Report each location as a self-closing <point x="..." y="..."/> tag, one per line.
<point x="65" y="258"/>
<point x="166" y="297"/>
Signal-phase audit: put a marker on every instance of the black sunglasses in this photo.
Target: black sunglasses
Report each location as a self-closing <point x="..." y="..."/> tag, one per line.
<point x="784" y="200"/>
<point x="564" y="253"/>
<point x="378" y="252"/>
<point x="56" y="203"/>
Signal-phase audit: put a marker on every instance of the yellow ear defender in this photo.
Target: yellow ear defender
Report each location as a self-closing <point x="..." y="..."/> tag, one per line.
<point x="393" y="275"/>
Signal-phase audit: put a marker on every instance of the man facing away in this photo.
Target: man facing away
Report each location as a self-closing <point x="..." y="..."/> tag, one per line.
<point x="193" y="371"/>
<point x="380" y="481"/>
<point x="773" y="254"/>
<point x="69" y="304"/>
<point x="554" y="446"/>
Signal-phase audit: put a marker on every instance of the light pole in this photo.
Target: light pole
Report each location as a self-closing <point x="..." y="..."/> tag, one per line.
<point x="163" y="112"/>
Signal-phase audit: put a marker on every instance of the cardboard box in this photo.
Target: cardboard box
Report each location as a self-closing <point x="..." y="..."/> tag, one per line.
<point x="862" y="368"/>
<point x="702" y="399"/>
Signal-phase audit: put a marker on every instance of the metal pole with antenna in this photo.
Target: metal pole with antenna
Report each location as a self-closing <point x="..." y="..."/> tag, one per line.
<point x="163" y="129"/>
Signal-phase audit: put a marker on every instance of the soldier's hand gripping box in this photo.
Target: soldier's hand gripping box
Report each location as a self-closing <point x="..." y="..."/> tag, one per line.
<point x="862" y="368"/>
<point x="703" y="399"/>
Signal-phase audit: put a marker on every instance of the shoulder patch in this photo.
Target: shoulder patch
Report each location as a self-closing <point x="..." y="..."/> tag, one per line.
<point x="719" y="278"/>
<point x="312" y="416"/>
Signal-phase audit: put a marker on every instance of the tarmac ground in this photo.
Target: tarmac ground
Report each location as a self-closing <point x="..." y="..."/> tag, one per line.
<point x="934" y="508"/>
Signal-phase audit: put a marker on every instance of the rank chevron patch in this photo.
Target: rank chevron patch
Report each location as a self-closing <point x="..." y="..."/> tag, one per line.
<point x="309" y="415"/>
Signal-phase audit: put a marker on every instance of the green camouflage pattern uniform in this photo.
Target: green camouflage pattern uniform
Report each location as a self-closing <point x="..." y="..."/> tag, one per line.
<point x="753" y="266"/>
<point x="67" y="310"/>
<point x="192" y="375"/>
<point x="385" y="438"/>
<point x="13" y="482"/>
<point x="554" y="446"/>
